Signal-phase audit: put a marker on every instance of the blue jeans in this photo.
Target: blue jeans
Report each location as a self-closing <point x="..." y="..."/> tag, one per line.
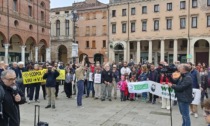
<point x="80" y="87"/>
<point x="144" y="95"/>
<point x="185" y="112"/>
<point x="90" y="87"/>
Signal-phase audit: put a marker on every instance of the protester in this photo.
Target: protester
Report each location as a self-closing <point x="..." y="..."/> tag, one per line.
<point x="115" y="79"/>
<point x="143" y="77"/>
<point x="90" y="84"/>
<point x="43" y="84"/>
<point x="19" y="79"/>
<point x="183" y="91"/>
<point x="50" y="76"/>
<point x="204" y="85"/>
<point x="196" y="84"/>
<point x="106" y="83"/>
<point x="132" y="79"/>
<point x="153" y="76"/>
<point x="97" y="85"/>
<point x="12" y="98"/>
<point x="34" y="86"/>
<point x="80" y="81"/>
<point x="68" y="83"/>
<point x="125" y="70"/>
<point x="123" y="88"/>
<point x="57" y="82"/>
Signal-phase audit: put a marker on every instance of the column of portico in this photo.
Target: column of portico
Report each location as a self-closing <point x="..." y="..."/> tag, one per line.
<point x="162" y="51"/>
<point x="128" y="51"/>
<point x="23" y="53"/>
<point x="6" y="57"/>
<point x="138" y="55"/>
<point x="48" y="57"/>
<point x="188" y="49"/>
<point x="175" y="50"/>
<point x="125" y="52"/>
<point x="150" y="52"/>
<point x="36" y="53"/>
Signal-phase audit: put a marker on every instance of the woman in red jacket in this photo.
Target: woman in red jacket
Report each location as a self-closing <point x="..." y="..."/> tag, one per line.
<point x="165" y="102"/>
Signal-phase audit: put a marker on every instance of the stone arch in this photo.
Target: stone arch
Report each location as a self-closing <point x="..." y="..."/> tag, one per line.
<point x="99" y="57"/>
<point x="119" y="46"/>
<point x="30" y="49"/>
<point x="43" y="41"/>
<point x="3" y="38"/>
<point x="15" y="42"/>
<point x="62" y="53"/>
<point x="200" y="54"/>
<point x="15" y="37"/>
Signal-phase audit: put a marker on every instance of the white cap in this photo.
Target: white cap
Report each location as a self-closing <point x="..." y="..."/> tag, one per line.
<point x="20" y="63"/>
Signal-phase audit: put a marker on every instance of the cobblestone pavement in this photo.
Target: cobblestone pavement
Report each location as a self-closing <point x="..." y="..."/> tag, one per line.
<point x="97" y="113"/>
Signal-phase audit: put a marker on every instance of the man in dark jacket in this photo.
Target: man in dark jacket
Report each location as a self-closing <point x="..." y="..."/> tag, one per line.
<point x="12" y="97"/>
<point x="197" y="85"/>
<point x="153" y="76"/>
<point x="183" y="91"/>
<point x="50" y="77"/>
<point x="106" y="82"/>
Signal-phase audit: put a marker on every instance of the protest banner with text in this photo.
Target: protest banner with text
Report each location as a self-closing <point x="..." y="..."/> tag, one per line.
<point x="160" y="90"/>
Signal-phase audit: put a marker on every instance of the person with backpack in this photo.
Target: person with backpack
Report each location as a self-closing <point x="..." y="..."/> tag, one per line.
<point x="10" y="99"/>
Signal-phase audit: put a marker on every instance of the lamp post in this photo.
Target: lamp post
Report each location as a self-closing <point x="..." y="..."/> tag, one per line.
<point x="74" y="18"/>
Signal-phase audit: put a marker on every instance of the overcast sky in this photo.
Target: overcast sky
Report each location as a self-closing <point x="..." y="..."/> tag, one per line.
<point x="63" y="3"/>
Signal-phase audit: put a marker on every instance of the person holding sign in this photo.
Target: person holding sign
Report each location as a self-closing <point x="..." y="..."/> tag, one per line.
<point x="90" y="76"/>
<point x="34" y="86"/>
<point x="50" y="76"/>
<point x="183" y="91"/>
<point x="97" y="81"/>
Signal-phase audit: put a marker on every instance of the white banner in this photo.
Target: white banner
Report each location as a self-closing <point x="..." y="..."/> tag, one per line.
<point x="74" y="50"/>
<point x="160" y="90"/>
<point x="97" y="78"/>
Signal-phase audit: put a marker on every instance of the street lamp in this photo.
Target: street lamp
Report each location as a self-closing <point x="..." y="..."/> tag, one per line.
<point x="74" y="18"/>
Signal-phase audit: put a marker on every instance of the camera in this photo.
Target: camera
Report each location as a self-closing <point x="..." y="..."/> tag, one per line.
<point x="168" y="70"/>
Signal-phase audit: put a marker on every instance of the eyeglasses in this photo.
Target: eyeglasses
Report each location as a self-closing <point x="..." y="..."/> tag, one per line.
<point x="10" y="79"/>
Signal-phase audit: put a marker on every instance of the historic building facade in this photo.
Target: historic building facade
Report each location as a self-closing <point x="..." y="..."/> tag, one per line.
<point x="157" y="30"/>
<point x="24" y="30"/>
<point x="92" y="30"/>
<point x="61" y="34"/>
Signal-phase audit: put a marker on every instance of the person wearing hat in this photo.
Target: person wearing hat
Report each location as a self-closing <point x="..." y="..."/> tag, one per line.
<point x="19" y="79"/>
<point x="50" y="76"/>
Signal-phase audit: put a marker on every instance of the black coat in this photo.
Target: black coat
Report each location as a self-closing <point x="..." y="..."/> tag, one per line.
<point x="106" y="76"/>
<point x="51" y="78"/>
<point x="11" y="112"/>
<point x="183" y="89"/>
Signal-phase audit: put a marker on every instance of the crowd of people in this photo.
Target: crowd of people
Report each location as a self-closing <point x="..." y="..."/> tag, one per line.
<point x="80" y="81"/>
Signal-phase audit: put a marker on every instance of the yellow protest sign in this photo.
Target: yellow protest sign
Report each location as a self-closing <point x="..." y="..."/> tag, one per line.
<point x="62" y="75"/>
<point x="33" y="77"/>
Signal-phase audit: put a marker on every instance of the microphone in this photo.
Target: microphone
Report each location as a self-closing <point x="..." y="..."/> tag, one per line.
<point x="15" y="91"/>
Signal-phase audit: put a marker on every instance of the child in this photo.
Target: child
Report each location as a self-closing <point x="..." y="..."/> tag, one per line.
<point x="123" y="88"/>
<point x="132" y="95"/>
